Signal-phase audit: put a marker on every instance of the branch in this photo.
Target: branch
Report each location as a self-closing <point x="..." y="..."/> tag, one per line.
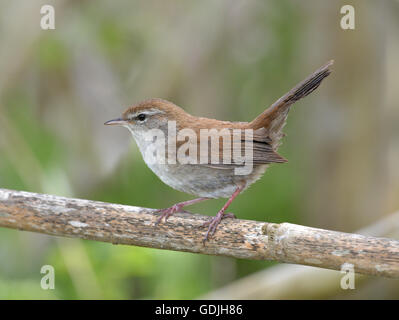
<point x="236" y="238"/>
<point x="288" y="281"/>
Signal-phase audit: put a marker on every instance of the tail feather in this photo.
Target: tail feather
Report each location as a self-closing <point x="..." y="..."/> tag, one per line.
<point x="274" y="117"/>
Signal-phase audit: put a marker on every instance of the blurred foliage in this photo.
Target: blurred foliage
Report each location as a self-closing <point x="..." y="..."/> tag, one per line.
<point x="218" y="59"/>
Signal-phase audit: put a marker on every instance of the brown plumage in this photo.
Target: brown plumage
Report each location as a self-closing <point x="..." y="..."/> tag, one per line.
<point x="267" y="126"/>
<point x="201" y="175"/>
<point x="273" y="118"/>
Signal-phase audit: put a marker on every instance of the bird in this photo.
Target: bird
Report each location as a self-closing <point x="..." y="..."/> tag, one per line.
<point x="183" y="159"/>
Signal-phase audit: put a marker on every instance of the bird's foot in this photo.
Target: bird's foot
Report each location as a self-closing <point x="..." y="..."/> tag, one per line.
<point x="167" y="212"/>
<point x="178" y="207"/>
<point x="214" y="222"/>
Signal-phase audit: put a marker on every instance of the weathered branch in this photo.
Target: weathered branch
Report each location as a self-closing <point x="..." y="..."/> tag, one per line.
<point x="245" y="239"/>
<point x="289" y="281"/>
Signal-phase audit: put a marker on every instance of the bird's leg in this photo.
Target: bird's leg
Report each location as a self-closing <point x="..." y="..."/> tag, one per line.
<point x="166" y="213"/>
<point x="214" y="222"/>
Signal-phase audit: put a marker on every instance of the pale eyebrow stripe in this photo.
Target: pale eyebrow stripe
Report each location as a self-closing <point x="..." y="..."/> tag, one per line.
<point x="147" y="112"/>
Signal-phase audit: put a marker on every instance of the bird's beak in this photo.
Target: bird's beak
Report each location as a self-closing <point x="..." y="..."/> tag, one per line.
<point x="115" y="122"/>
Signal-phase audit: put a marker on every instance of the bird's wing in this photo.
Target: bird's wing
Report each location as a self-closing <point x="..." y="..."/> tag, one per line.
<point x="228" y="148"/>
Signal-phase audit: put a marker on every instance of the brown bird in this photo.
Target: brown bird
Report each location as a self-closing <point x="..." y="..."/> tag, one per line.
<point x="206" y="157"/>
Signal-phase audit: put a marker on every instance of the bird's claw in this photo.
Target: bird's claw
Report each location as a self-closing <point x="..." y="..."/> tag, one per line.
<point x="167" y="212"/>
<point x="214" y="222"/>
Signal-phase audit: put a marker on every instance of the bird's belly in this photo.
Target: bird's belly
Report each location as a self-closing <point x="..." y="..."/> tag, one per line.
<point x="204" y="181"/>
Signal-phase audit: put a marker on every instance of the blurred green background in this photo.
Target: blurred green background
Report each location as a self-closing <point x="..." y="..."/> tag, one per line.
<point x="221" y="59"/>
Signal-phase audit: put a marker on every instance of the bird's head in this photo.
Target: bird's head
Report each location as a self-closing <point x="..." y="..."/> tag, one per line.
<point x="149" y="114"/>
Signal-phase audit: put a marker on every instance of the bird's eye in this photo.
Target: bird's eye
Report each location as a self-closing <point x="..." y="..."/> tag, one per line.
<point x="141" y="117"/>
